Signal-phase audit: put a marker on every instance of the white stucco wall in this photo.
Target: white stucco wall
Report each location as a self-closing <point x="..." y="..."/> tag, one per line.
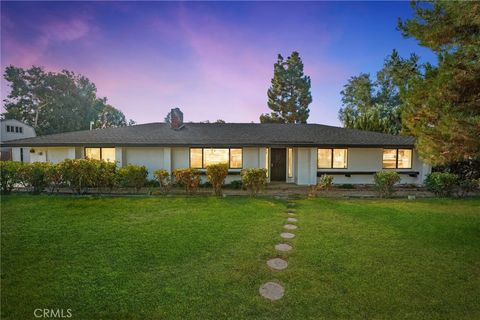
<point x="180" y="158"/>
<point x="51" y="154"/>
<point x="152" y="158"/>
<point x="16" y="154"/>
<point x="306" y="169"/>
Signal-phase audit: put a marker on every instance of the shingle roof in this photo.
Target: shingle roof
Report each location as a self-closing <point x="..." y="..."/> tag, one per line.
<point x="220" y="134"/>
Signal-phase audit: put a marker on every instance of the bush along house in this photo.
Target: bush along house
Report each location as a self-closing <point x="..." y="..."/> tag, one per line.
<point x="291" y="153"/>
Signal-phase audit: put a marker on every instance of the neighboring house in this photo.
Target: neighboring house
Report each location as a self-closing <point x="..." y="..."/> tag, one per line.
<point x="11" y="129"/>
<point x="292" y="153"/>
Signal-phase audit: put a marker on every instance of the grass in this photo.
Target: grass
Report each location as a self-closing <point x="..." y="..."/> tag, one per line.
<point x="204" y="258"/>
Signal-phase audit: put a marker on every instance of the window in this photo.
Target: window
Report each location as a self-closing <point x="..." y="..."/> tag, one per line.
<point x="203" y="157"/>
<point x="214" y="156"/>
<point x="332" y="158"/>
<point x="236" y="160"/>
<point x="16" y="129"/>
<point x="196" y="158"/>
<point x="290" y="162"/>
<point x="106" y="154"/>
<point x="20" y="129"/>
<point x="397" y="158"/>
<point x="8" y="128"/>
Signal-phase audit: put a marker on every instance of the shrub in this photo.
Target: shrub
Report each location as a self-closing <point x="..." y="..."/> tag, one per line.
<point x="132" y="176"/>
<point x="79" y="174"/>
<point x="163" y="179"/>
<point x="441" y="183"/>
<point x="33" y="175"/>
<point x="188" y="178"/>
<point x="325" y="183"/>
<point x="384" y="182"/>
<point x="216" y="175"/>
<point x="53" y="177"/>
<point x="105" y="175"/>
<point x="9" y="175"/>
<point x="254" y="179"/>
<point x="466" y="186"/>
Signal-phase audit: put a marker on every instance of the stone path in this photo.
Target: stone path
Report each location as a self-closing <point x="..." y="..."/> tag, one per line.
<point x="277" y="264"/>
<point x="272" y="290"/>
<point x="283" y="247"/>
<point x="287" y="235"/>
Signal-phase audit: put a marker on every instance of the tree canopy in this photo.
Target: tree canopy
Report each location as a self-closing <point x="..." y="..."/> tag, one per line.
<point x="289" y="95"/>
<point x="443" y="105"/>
<point x="57" y="102"/>
<point x="376" y="105"/>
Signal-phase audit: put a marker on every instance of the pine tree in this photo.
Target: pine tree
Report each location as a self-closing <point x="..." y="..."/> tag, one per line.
<point x="289" y="95"/>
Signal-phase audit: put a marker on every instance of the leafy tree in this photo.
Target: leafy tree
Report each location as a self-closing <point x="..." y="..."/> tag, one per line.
<point x="167" y="118"/>
<point x="108" y="116"/>
<point x="442" y="106"/>
<point x="376" y="105"/>
<point x="289" y="95"/>
<point x="56" y="102"/>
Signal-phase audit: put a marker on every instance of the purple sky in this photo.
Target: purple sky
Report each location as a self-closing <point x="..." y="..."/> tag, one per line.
<point x="214" y="60"/>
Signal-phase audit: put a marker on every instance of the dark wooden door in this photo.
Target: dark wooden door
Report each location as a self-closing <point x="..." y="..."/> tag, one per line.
<point x="278" y="164"/>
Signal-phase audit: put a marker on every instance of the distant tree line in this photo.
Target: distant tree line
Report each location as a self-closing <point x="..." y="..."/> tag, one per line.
<point x="54" y="102"/>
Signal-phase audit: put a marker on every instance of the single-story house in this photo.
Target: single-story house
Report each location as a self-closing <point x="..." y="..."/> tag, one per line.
<point x="291" y="153"/>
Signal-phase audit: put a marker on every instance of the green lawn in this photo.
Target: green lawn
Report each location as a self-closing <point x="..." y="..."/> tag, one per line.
<point x="204" y="258"/>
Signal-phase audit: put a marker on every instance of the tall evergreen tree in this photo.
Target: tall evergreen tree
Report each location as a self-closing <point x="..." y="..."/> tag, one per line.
<point x="443" y="106"/>
<point x="289" y="95"/>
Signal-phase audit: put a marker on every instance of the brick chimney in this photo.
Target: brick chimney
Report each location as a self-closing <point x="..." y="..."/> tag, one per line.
<point x="176" y="119"/>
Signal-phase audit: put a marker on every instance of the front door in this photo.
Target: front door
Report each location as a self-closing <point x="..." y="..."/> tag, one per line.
<point x="278" y="164"/>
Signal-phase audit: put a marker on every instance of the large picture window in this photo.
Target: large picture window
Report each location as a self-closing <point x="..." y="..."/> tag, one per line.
<point x="397" y="158"/>
<point x="203" y="157"/>
<point x="332" y="158"/>
<point x="106" y="154"/>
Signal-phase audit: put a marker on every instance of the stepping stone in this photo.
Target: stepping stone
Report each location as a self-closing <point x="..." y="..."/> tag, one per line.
<point x="291" y="210"/>
<point x="271" y="291"/>
<point x="277" y="264"/>
<point x="292" y="220"/>
<point x="290" y="226"/>
<point x="283" y="247"/>
<point x="291" y="214"/>
<point x="287" y="235"/>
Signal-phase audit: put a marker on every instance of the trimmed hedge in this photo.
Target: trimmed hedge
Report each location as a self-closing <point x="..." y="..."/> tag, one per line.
<point x="9" y="175"/>
<point x="76" y="174"/>
<point x="132" y="176"/>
